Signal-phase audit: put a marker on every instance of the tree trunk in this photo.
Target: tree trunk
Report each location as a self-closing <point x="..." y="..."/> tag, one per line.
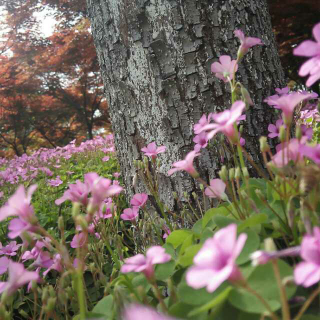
<point x="155" y="57"/>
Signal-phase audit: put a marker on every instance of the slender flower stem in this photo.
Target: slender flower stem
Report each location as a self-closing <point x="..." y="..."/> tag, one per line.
<point x="307" y="304"/>
<point x="159" y="295"/>
<point x="77" y="276"/>
<point x="262" y="300"/>
<point x="283" y="295"/>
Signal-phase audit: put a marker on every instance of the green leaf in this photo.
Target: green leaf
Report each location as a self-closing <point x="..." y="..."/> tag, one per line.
<point x="262" y="280"/>
<point x="251" y="245"/>
<point x="165" y="271"/>
<point x="187" y="258"/>
<point x="176" y="238"/>
<point x="222" y="221"/>
<point x="206" y="234"/>
<point x="211" y="213"/>
<point x="252" y="221"/>
<point x="104" y="306"/>
<point x="197" y="227"/>
<point x="141" y="280"/>
<point x="180" y="309"/>
<point x="186" y="244"/>
<point x="213" y="303"/>
<point x="192" y="296"/>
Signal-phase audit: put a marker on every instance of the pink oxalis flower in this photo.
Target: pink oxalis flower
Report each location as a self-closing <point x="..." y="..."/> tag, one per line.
<point x="130" y="214"/>
<point x="138" y="312"/>
<point x="310" y="49"/>
<point x="224" y="122"/>
<point x="19" y="205"/>
<point x="215" y="262"/>
<point x="10" y="249"/>
<point x="18" y="277"/>
<point x="79" y="240"/>
<point x="311" y="152"/>
<point x="225" y="69"/>
<point x="186" y="165"/>
<point x="246" y="42"/>
<point x="77" y="192"/>
<point x="201" y="141"/>
<point x="216" y="189"/>
<point x="139" y="200"/>
<point x="141" y="263"/>
<point x="4" y="264"/>
<point x="275" y="129"/>
<point x="307" y="272"/>
<point x="152" y="151"/>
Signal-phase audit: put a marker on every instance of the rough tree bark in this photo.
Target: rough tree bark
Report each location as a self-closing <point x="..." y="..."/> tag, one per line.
<point x="155" y="58"/>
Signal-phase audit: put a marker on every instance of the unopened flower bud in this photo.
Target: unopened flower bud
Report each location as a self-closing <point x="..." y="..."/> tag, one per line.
<point x="45" y="294"/>
<point x="238" y="173"/>
<point x="246" y="97"/>
<point x="52" y="293"/>
<point x="288" y="281"/>
<point x="269" y="245"/>
<point x="282" y="134"/>
<point x="175" y="195"/>
<point x="245" y="172"/>
<point x="75" y="208"/>
<point x="298" y="132"/>
<point x="34" y="285"/>
<point x="195" y="196"/>
<point x="201" y="186"/>
<point x="81" y="221"/>
<point x="145" y="162"/>
<point x="264" y="147"/>
<point x="51" y="304"/>
<point x="186" y="195"/>
<point x="60" y="223"/>
<point x="223" y="173"/>
<point x="231" y="174"/>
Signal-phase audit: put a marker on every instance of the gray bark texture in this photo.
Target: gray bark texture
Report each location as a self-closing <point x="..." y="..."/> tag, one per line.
<point x="155" y="58"/>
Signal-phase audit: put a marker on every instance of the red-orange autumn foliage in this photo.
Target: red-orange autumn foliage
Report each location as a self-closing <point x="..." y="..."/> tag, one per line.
<point x="50" y="88"/>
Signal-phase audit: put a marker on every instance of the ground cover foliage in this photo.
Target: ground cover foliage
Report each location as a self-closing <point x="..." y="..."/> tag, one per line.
<point x="73" y="249"/>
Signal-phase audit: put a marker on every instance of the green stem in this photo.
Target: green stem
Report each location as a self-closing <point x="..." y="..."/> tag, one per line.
<point x="263" y="301"/>
<point x="283" y="295"/>
<point x="80" y="292"/>
<point x="307" y="304"/>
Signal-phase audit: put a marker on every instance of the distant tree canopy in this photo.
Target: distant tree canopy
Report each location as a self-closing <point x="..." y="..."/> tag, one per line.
<point x="50" y="88"/>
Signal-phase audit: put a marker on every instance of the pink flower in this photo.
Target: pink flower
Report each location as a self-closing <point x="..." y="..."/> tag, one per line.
<point x="215" y="262"/>
<point x="310" y="49"/>
<point x="306" y="131"/>
<point x="130" y="214"/>
<point x="18" y="226"/>
<point x="139" y="200"/>
<point x="18" y="277"/>
<point x="291" y="152"/>
<point x="167" y="232"/>
<point x="202" y="123"/>
<point x="284" y="90"/>
<point x="186" y="165"/>
<point x="224" y="121"/>
<point x="287" y="104"/>
<point x="246" y="42"/>
<point x="105" y="159"/>
<point x="263" y="257"/>
<point x="312" y="153"/>
<point x="307" y="272"/>
<point x="117" y="175"/>
<point x="101" y="188"/>
<point x="201" y="141"/>
<point x="4" y="264"/>
<point x="275" y="129"/>
<point x="56" y="264"/>
<point x="225" y="69"/>
<point x="55" y="182"/>
<point x="10" y="249"/>
<point x="152" y="151"/>
<point x="79" y="240"/>
<point x="141" y="263"/>
<point x="77" y="192"/>
<point x="139" y="312"/>
<point x="216" y="189"/>
<point x="19" y="205"/>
